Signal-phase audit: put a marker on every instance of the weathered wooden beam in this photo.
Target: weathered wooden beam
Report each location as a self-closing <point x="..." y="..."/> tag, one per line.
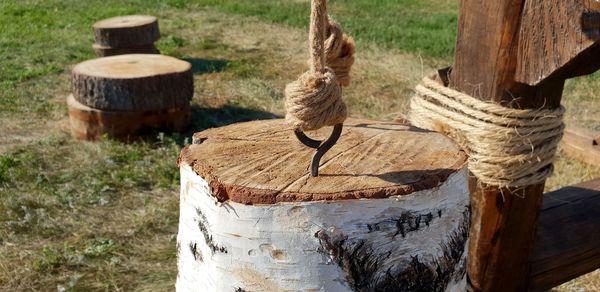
<point x="567" y="242"/>
<point x="554" y="40"/>
<point x="503" y="219"/>
<point x="582" y="144"/>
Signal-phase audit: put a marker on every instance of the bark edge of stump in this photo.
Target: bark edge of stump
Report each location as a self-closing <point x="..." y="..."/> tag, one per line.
<point x="261" y="162"/>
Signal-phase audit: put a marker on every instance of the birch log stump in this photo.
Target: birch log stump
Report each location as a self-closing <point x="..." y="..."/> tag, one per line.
<point x="126" y="35"/>
<point x="130" y="95"/>
<point x="388" y="212"/>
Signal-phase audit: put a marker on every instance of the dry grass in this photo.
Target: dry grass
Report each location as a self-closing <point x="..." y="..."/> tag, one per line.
<point x="103" y="216"/>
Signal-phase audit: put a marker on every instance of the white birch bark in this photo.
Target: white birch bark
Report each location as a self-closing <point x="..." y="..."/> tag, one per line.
<point x="322" y="245"/>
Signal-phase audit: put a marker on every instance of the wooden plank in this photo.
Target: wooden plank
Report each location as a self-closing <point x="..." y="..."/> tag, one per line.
<point x="582" y="144"/>
<point x="567" y="242"/>
<point x="554" y="37"/>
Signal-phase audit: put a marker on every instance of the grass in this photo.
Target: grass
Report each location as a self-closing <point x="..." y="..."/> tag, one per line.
<point x="422" y="27"/>
<point x="78" y="215"/>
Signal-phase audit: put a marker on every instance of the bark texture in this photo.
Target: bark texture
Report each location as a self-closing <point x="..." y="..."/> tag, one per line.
<point x="104" y="51"/>
<point x="126" y="31"/>
<point x="409" y="243"/>
<point x="388" y="212"/>
<point x="137" y="82"/>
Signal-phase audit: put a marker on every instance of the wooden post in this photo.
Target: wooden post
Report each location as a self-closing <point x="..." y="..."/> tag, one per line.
<point x="517" y="53"/>
<point x="388" y="211"/>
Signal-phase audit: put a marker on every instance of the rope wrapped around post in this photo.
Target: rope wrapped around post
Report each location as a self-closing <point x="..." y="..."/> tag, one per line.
<point x="315" y="99"/>
<point x="507" y="147"/>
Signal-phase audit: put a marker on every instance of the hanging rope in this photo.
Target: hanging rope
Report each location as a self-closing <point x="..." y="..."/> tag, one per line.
<point x="507" y="147"/>
<point x="315" y="99"/>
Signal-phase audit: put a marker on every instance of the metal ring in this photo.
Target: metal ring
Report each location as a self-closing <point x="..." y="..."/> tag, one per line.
<point x="321" y="146"/>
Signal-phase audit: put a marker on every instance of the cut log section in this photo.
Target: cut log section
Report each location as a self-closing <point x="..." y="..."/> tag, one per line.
<point x="103" y="51"/>
<point x="581" y="144"/>
<point x="388" y="212"/>
<point x="126" y="31"/>
<point x="135" y="83"/>
<point x="91" y="124"/>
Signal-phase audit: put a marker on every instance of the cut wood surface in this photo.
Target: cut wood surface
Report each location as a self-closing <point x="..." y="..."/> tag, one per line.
<point x="262" y="162"/>
<point x="556" y="39"/>
<point x="104" y="51"/>
<point x="388" y="212"/>
<point x="90" y="124"/>
<point x="568" y="237"/>
<point x="126" y="31"/>
<point x="135" y="82"/>
<point x="580" y="144"/>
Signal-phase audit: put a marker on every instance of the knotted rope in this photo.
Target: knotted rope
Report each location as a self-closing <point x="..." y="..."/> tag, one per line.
<point x="507" y="147"/>
<point x="315" y="99"/>
<point x="339" y="49"/>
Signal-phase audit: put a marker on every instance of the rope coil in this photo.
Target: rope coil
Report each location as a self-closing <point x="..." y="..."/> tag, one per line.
<point x="315" y="99"/>
<point x="507" y="147"/>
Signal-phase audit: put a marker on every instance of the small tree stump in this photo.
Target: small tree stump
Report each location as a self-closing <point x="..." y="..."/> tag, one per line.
<point x="133" y="83"/>
<point x="130" y="95"/>
<point x="126" y="31"/>
<point x="91" y="124"/>
<point x="388" y="212"/>
<point x="102" y="51"/>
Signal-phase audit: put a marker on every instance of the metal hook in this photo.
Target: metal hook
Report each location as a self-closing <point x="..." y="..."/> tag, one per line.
<point x="321" y="146"/>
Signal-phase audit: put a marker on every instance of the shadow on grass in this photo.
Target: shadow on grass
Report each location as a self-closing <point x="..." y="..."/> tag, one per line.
<point x="204" y="118"/>
<point x="204" y="66"/>
<point x="201" y="118"/>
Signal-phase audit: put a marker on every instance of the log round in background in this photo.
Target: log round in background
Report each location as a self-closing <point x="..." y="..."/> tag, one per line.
<point x="126" y="31"/>
<point x="91" y="124"/>
<point x="388" y="211"/>
<point x="138" y="82"/>
<point x="104" y="51"/>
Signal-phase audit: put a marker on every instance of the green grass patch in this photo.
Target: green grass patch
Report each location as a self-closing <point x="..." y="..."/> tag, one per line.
<point x="422" y="27"/>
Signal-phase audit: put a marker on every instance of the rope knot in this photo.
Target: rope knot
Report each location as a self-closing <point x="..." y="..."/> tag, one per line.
<point x="315" y="101"/>
<point x="340" y="50"/>
<point x="507" y="147"/>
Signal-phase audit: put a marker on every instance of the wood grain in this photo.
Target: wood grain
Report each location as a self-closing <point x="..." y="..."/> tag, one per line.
<point x="262" y="163"/>
<point x="137" y="82"/>
<point x="91" y="124"/>
<point x="581" y="144"/>
<point x="555" y="34"/>
<point x="568" y="239"/>
<point x="126" y="31"/>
